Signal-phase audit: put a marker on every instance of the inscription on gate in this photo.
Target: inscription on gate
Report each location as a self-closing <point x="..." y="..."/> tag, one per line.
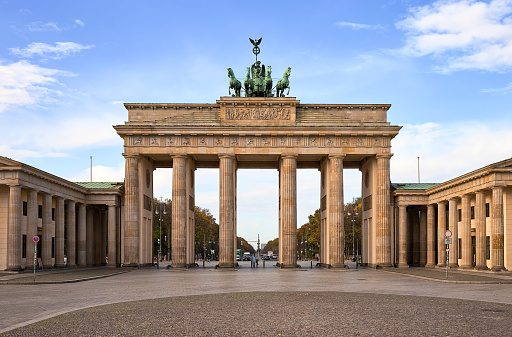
<point x="258" y="113"/>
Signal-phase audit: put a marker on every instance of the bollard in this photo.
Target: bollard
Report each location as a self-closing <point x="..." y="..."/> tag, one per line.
<point x="311" y="264"/>
<point x="263" y="263"/>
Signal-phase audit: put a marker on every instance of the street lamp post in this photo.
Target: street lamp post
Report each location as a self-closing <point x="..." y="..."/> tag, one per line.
<point x="158" y="212"/>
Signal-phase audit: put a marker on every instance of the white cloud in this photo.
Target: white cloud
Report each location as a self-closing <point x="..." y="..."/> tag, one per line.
<point x="79" y="22"/>
<point x="6" y="151"/>
<point x="448" y="151"/>
<point x="39" y="26"/>
<point x="463" y="34"/>
<point x="59" y="51"/>
<point x="504" y="91"/>
<point x="357" y="26"/>
<point x="26" y="84"/>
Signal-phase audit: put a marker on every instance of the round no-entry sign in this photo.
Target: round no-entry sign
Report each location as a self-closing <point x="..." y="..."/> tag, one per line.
<point x="35" y="239"/>
<point x="448" y="233"/>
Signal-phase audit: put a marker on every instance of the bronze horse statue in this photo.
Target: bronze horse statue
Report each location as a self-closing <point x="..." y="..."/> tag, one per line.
<point x="248" y="83"/>
<point x="268" y="82"/>
<point x="234" y="83"/>
<point x="283" y="83"/>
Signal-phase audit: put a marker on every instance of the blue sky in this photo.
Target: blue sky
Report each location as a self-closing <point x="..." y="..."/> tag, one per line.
<point x="445" y="66"/>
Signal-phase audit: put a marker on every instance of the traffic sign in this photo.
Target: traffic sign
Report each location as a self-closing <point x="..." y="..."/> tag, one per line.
<point x="447" y="241"/>
<point x="448" y="233"/>
<point x="35" y="239"/>
<point x="447" y="250"/>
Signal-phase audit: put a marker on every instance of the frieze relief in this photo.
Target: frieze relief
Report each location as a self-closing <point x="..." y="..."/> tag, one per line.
<point x="306" y="141"/>
<point x="258" y="113"/>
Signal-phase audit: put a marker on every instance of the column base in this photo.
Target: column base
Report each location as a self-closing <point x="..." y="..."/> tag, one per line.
<point x="60" y="266"/>
<point x="430" y="265"/>
<point x="288" y="266"/>
<point x="481" y="268"/>
<point x="226" y="265"/>
<point x="130" y="265"/>
<point x="453" y="265"/>
<point x="48" y="266"/>
<point x="14" y="268"/>
<point x="497" y="268"/>
<point x="379" y="266"/>
<point x="403" y="266"/>
<point x="337" y="266"/>
<point x="441" y="265"/>
<point x="466" y="267"/>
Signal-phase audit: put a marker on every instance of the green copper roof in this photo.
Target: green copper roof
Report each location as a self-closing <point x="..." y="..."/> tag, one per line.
<point x="412" y="186"/>
<point x="101" y="185"/>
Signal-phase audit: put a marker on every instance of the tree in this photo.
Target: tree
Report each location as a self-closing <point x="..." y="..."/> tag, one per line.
<point x="206" y="232"/>
<point x="308" y="236"/>
<point x="353" y="218"/>
<point x="272" y="245"/>
<point x="164" y="209"/>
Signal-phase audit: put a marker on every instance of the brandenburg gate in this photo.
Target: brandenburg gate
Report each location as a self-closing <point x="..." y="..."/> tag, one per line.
<point x="257" y="132"/>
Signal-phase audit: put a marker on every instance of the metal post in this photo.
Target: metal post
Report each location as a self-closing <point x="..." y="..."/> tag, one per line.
<point x="35" y="259"/>
<point x="447" y="259"/>
<point x="204" y="248"/>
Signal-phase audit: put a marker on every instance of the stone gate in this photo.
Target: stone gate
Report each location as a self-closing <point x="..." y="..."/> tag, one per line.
<point x="257" y="132"/>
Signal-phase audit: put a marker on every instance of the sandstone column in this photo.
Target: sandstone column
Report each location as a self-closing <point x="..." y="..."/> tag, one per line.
<point x="288" y="196"/>
<point x="82" y="236"/>
<point x="497" y="238"/>
<point x="423" y="236"/>
<point x="403" y="233"/>
<point x="14" y="231"/>
<point x="46" y="246"/>
<point x="132" y="212"/>
<point x="415" y="237"/>
<point x="453" y="222"/>
<point x="336" y="208"/>
<point x="179" y="211"/>
<point x="441" y="228"/>
<point x="90" y="236"/>
<point x="431" y="236"/>
<point x="71" y="233"/>
<point x="32" y="210"/>
<point x="226" y="211"/>
<point x="480" y="231"/>
<point x="383" y="245"/>
<point x="467" y="255"/>
<point x="59" y="233"/>
<point x="112" y="236"/>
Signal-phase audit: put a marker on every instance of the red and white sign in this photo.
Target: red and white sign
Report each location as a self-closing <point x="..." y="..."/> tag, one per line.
<point x="448" y="233"/>
<point x="35" y="239"/>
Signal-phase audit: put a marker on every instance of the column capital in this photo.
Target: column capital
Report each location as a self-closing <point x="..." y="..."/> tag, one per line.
<point x="131" y="156"/>
<point x="497" y="187"/>
<point x="465" y="196"/>
<point x="337" y="156"/>
<point x="289" y="156"/>
<point x="442" y="202"/>
<point x="185" y="156"/>
<point x="384" y="155"/>
<point x="227" y="156"/>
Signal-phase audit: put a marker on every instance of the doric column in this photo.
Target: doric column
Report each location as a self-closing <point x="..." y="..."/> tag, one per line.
<point x="112" y="237"/>
<point x="14" y="231"/>
<point x="288" y="196"/>
<point x="497" y="245"/>
<point x="441" y="228"/>
<point x="336" y="207"/>
<point x="480" y="231"/>
<point x="383" y="246"/>
<point x="454" y="228"/>
<point x="423" y="236"/>
<point x="59" y="233"/>
<point x="403" y="243"/>
<point x="131" y="202"/>
<point x="226" y="211"/>
<point x="90" y="235"/>
<point x="32" y="210"/>
<point x="46" y="245"/>
<point x="71" y="233"/>
<point x="179" y="211"/>
<point x="81" y="251"/>
<point x="431" y="236"/>
<point x="465" y="235"/>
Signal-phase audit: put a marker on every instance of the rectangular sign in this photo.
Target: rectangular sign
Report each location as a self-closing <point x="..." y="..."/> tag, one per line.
<point x="447" y="241"/>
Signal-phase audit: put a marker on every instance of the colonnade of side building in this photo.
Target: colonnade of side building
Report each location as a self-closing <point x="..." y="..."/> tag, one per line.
<point x="476" y="208"/>
<point x="74" y="227"/>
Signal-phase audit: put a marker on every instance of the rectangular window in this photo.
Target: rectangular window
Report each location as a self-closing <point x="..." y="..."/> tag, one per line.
<point x="460" y="249"/>
<point x="40" y="212"/>
<point x="25" y="205"/>
<point x="24" y="247"/>
<point x="460" y="214"/>
<point x="488" y="247"/>
<point x="487" y="211"/>
<point x="53" y="214"/>
<point x="472" y="212"/>
<point x="53" y="247"/>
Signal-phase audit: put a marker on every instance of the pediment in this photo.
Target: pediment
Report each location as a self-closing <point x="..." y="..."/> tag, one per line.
<point x="4" y="161"/>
